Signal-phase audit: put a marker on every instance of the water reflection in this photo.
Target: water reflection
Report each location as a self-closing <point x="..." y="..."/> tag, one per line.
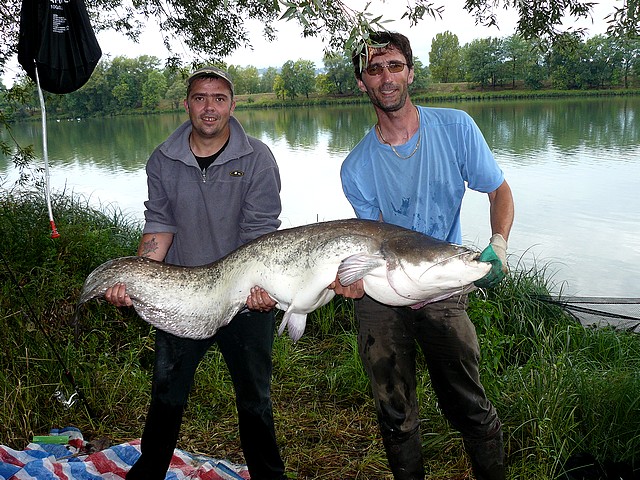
<point x="573" y="165"/>
<point x="511" y="128"/>
<point x="302" y="128"/>
<point x="568" y="125"/>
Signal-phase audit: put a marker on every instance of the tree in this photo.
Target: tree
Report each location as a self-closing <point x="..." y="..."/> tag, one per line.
<point x="124" y="79"/>
<point x="123" y="94"/>
<point x="519" y="54"/>
<point x="629" y="56"/>
<point x="536" y="69"/>
<point x="421" y="77"/>
<point x="566" y="68"/>
<point x="252" y="79"/>
<point x="483" y="61"/>
<point x="538" y="19"/>
<point x="92" y="98"/>
<point x="176" y="94"/>
<point x="279" y="87"/>
<point x="153" y="90"/>
<point x="298" y="78"/>
<point x="603" y="61"/>
<point x="245" y="79"/>
<point x="267" y="80"/>
<point x="215" y="28"/>
<point x="288" y="78"/>
<point x="339" y="73"/>
<point x="305" y="76"/>
<point x="444" y="58"/>
<point x="324" y="85"/>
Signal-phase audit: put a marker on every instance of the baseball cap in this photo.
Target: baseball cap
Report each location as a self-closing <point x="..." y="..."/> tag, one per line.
<point x="211" y="71"/>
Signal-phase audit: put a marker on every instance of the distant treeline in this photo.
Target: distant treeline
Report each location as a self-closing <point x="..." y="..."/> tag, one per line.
<point x="124" y="85"/>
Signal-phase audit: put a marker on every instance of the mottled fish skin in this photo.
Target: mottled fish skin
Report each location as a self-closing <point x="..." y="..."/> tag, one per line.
<point x="399" y="267"/>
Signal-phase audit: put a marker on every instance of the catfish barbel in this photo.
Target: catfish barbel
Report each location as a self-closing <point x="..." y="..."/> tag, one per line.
<point x="399" y="267"/>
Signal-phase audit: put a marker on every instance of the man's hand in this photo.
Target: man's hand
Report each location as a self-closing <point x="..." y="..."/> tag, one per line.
<point x="496" y="255"/>
<point x="355" y="290"/>
<point x="260" y="300"/>
<point x="117" y="295"/>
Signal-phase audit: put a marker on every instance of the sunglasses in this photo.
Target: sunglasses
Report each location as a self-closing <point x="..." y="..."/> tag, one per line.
<point x="393" y="67"/>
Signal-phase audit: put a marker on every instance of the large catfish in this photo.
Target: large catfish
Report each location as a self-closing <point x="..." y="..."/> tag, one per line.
<point x="399" y="267"/>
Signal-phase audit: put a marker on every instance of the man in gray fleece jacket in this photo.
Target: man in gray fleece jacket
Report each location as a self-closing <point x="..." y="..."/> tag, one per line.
<point x="211" y="189"/>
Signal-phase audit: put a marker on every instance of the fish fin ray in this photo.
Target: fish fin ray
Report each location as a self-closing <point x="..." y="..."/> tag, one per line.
<point x="355" y="267"/>
<point x="295" y="324"/>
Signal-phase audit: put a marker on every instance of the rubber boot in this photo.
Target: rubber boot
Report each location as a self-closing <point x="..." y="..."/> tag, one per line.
<point x="487" y="457"/>
<point x="158" y="442"/>
<point x="405" y="457"/>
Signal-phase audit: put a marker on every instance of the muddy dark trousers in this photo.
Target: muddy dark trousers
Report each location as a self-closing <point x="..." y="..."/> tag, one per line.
<point x="246" y="345"/>
<point x="388" y="341"/>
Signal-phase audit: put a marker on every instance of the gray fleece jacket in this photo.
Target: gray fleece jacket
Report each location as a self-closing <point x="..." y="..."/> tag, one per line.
<point x="211" y="214"/>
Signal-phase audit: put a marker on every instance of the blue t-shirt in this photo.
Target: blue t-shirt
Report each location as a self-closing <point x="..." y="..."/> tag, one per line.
<point x="423" y="192"/>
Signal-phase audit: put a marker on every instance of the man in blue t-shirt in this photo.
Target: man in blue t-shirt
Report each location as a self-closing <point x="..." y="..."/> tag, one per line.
<point x="412" y="170"/>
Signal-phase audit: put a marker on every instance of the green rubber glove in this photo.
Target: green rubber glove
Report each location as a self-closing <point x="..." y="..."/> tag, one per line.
<point x="496" y="255"/>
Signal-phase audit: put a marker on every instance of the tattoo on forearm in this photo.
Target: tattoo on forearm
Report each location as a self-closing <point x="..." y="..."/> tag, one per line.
<point x="149" y="247"/>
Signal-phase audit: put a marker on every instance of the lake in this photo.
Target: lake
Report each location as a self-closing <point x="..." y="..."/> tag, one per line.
<point x="573" y="166"/>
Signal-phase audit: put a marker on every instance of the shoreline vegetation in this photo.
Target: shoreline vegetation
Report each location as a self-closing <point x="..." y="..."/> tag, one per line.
<point x="435" y="93"/>
<point x="563" y="391"/>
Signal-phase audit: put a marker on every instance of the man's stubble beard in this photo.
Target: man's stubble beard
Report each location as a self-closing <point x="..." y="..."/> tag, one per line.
<point x="389" y="108"/>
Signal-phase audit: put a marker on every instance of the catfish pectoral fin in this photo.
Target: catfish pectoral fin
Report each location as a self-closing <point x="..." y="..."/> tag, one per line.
<point x="295" y="324"/>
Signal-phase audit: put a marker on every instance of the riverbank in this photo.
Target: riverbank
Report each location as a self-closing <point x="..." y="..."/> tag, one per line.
<point x="561" y="389"/>
<point x="436" y="93"/>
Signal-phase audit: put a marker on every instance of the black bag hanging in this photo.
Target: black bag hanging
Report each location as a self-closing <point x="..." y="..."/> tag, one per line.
<point x="56" y="36"/>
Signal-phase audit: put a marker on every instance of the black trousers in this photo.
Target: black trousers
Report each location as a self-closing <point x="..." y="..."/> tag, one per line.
<point x="246" y="345"/>
<point x="388" y="340"/>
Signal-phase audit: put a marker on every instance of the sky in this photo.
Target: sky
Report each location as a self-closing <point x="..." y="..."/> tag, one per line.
<point x="290" y="45"/>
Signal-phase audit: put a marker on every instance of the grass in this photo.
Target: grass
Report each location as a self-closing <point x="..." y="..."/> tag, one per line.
<point x="560" y="389"/>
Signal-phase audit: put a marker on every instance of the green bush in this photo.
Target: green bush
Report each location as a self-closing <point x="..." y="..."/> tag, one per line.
<point x="560" y="389"/>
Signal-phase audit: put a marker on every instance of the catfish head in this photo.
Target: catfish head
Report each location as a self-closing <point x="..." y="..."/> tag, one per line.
<point x="422" y="269"/>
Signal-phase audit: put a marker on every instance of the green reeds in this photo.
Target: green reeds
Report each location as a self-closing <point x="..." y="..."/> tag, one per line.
<point x="561" y="389"/>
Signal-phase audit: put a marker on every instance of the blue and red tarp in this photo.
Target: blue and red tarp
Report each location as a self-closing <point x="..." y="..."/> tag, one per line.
<point x="48" y="461"/>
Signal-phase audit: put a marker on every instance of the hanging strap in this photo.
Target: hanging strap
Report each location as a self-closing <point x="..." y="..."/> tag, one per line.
<point x="45" y="151"/>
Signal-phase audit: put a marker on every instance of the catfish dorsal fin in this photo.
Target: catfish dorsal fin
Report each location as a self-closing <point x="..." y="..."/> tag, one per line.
<point x="356" y="266"/>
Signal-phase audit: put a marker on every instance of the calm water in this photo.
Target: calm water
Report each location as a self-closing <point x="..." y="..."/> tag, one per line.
<point x="573" y="165"/>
